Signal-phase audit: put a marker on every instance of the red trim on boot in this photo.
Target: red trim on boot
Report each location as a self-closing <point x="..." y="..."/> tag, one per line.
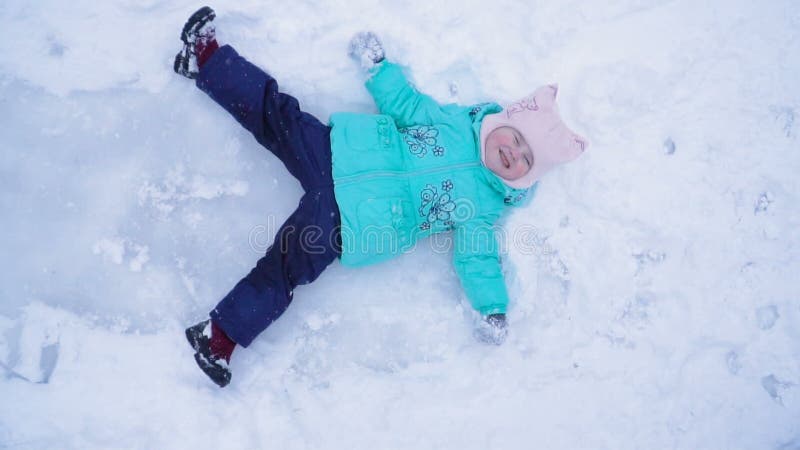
<point x="220" y="344"/>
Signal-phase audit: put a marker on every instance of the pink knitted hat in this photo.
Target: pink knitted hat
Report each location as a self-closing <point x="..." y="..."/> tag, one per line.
<point x="536" y="118"/>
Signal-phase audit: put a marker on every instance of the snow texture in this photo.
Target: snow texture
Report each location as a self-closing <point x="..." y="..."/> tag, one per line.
<point x="655" y="299"/>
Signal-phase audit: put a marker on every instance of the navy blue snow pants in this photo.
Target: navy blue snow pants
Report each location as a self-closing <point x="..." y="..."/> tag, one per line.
<point x="310" y="238"/>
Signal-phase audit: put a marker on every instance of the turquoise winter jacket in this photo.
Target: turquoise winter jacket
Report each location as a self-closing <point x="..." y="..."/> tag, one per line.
<point x="415" y="170"/>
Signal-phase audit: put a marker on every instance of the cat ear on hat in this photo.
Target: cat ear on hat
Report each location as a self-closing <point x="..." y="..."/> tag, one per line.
<point x="576" y="146"/>
<point x="545" y="96"/>
<point x="568" y="144"/>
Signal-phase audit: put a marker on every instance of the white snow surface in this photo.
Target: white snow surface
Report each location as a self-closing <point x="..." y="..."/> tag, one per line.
<point x="655" y="292"/>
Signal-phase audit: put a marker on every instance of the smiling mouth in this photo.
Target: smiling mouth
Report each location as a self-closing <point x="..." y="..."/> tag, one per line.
<point x="504" y="159"/>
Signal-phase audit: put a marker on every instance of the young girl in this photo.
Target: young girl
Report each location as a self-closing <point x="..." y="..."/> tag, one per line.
<point x="373" y="184"/>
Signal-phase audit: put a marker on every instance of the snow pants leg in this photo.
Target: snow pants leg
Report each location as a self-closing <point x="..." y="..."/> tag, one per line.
<point x="309" y="240"/>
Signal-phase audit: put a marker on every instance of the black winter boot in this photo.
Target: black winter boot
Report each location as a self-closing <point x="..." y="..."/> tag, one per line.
<point x="186" y="60"/>
<point x="199" y="337"/>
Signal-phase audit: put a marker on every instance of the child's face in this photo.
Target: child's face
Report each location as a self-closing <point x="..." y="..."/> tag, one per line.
<point x="507" y="154"/>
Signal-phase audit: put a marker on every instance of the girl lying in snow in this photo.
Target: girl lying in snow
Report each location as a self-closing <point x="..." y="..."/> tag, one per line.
<point x="374" y="183"/>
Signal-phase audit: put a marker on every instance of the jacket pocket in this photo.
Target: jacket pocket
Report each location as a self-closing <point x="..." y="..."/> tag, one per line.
<point x="386" y="225"/>
<point x="369" y="132"/>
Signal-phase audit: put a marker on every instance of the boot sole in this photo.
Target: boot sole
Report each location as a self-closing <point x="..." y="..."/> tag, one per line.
<point x="193" y="340"/>
<point x="178" y="65"/>
<point x="196" y="21"/>
<point x="224" y="376"/>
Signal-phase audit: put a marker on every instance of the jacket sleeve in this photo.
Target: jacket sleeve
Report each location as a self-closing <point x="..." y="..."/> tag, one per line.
<point x="477" y="264"/>
<point x="396" y="97"/>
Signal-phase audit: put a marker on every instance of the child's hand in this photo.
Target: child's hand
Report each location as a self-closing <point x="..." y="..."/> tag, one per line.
<point x="366" y="48"/>
<point x="493" y="329"/>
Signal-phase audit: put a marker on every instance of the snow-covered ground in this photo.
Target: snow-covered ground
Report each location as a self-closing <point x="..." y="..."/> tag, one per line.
<point x="654" y="282"/>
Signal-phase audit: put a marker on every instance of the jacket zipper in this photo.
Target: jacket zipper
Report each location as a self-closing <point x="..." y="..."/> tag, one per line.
<point x="401" y="174"/>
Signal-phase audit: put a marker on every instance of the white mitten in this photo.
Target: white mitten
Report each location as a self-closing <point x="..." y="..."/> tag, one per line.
<point x="366" y="48"/>
<point x="493" y="329"/>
